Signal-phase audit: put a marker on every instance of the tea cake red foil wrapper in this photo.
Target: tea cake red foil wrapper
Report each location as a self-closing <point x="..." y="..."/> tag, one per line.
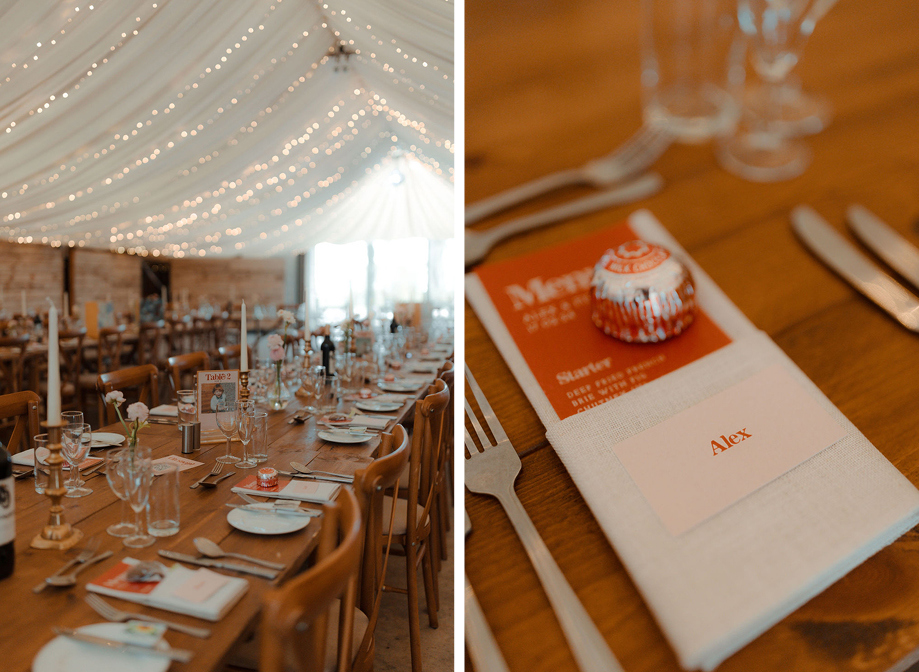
<point x="266" y="477"/>
<point x="641" y="293"/>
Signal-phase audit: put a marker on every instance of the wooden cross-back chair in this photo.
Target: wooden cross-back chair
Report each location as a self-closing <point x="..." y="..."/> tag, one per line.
<point x="371" y="484"/>
<point x="150" y="342"/>
<point x="145" y="379"/>
<point x="443" y="474"/>
<point x="109" y="351"/>
<point x="12" y="362"/>
<point x="295" y="629"/>
<point x="414" y="535"/>
<point x="230" y="356"/>
<point x="189" y="364"/>
<point x="21" y="410"/>
<point x="71" y="358"/>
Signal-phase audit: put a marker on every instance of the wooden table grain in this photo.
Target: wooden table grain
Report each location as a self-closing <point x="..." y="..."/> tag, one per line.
<point x="552" y="84"/>
<point x="26" y="618"/>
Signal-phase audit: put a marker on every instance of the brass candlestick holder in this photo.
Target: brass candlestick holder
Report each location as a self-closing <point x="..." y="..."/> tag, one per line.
<point x="57" y="533"/>
<point x="244" y="386"/>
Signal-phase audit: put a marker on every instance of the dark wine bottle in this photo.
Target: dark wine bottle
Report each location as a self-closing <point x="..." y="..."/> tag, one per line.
<point x="394" y="325"/>
<point x="328" y="349"/>
<point x="7" y="514"/>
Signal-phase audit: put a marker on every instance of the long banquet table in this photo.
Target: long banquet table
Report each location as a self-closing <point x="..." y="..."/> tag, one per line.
<point x="563" y="89"/>
<point x="26" y="618"/>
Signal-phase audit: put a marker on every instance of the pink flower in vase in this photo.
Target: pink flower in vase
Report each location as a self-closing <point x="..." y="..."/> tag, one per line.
<point x="276" y="354"/>
<point x="138" y="411"/>
<point x="275" y="341"/>
<point x="114" y="397"/>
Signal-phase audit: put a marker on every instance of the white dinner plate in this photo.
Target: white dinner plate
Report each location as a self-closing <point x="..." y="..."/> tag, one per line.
<point x="344" y="437"/>
<point x="67" y="655"/>
<point x="266" y="523"/>
<point x="378" y="406"/>
<point x="388" y="386"/>
<point x="106" y="439"/>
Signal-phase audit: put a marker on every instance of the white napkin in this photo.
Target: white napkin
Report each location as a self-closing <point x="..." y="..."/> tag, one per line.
<point x="25" y="458"/>
<point x="363" y="420"/>
<point x="720" y="585"/>
<point x="165" y="410"/>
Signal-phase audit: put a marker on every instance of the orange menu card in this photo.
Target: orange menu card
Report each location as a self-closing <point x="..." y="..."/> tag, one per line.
<point x="544" y="301"/>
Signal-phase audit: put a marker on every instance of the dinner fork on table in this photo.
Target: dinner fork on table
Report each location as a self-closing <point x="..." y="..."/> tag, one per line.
<point x="492" y="471"/>
<point x="630" y="158"/>
<point x="218" y="466"/>
<point x="89" y="550"/>
<point x="110" y="613"/>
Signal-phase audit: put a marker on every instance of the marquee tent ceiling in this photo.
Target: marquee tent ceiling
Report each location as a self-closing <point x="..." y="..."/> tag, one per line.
<point x="189" y="128"/>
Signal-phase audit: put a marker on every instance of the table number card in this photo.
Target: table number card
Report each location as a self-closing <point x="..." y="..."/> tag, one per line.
<point x="214" y="388"/>
<point x="702" y="460"/>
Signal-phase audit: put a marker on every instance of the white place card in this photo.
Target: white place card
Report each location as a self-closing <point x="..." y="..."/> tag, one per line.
<point x="700" y="461"/>
<point x="181" y="463"/>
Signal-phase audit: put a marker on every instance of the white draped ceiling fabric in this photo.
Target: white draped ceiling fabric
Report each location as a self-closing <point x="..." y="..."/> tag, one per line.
<point x="191" y="128"/>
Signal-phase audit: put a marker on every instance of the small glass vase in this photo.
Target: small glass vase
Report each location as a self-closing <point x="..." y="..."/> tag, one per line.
<point x="278" y="394"/>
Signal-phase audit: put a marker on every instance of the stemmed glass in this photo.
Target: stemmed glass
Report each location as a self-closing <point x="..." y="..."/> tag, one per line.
<point x="345" y="369"/>
<point x="228" y="423"/>
<point x="76" y="440"/>
<point x="312" y="381"/>
<point x="245" y="430"/>
<point x="777" y="30"/>
<point x="136" y="471"/>
<point x="113" y="475"/>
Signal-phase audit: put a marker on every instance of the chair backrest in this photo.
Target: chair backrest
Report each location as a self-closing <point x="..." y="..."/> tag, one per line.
<point x="109" y="350"/>
<point x="71" y="347"/>
<point x="371" y="484"/>
<point x="295" y="617"/>
<point x="23" y="406"/>
<point x="143" y="377"/>
<point x="446" y="366"/>
<point x="426" y="455"/>
<point x="179" y="365"/>
<point x="11" y="366"/>
<point x="230" y="354"/>
<point x="447" y="377"/>
<point x="148" y="343"/>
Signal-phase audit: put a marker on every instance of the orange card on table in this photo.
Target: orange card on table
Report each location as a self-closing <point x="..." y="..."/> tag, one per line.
<point x="543" y="299"/>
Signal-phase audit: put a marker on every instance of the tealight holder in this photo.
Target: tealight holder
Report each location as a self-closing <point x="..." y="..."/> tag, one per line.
<point x="244" y="386"/>
<point x="57" y="534"/>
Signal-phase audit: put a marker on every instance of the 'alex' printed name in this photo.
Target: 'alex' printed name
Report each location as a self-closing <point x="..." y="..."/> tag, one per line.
<point x="729" y="441"/>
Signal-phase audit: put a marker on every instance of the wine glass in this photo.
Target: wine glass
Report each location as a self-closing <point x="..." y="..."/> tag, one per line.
<point x="777" y="31"/>
<point x="136" y="471"/>
<point x="228" y="422"/>
<point x="245" y="430"/>
<point x="345" y="371"/>
<point x="113" y="475"/>
<point x="75" y="443"/>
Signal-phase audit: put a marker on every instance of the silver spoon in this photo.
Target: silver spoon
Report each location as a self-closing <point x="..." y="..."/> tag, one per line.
<point x="71" y="579"/>
<point x="212" y="550"/>
<point x="303" y="469"/>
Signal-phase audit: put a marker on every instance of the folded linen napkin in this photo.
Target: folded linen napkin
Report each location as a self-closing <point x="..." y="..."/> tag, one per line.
<point x="719" y="585"/>
<point x="167" y="410"/>
<point x="364" y="420"/>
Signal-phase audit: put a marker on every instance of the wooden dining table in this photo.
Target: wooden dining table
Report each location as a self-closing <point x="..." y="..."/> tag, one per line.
<point x="553" y="84"/>
<point x="26" y="618"/>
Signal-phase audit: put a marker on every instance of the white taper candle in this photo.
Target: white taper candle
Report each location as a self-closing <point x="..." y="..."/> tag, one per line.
<point x="243" y="342"/>
<point x="54" y="370"/>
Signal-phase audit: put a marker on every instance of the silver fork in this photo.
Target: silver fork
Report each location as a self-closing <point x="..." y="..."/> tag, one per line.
<point x="88" y="551"/>
<point x="110" y="613"/>
<point x="632" y="157"/>
<point x="218" y="466"/>
<point x="483" y="649"/>
<point x="478" y="243"/>
<point x="492" y="471"/>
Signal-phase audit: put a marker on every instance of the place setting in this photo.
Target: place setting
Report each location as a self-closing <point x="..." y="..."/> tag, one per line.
<point x="672" y="366"/>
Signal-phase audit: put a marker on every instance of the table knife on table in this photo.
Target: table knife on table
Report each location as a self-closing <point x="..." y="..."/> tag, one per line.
<point x="857" y="269"/>
<point x="208" y="562"/>
<point x="900" y="254"/>
<point x="180" y="655"/>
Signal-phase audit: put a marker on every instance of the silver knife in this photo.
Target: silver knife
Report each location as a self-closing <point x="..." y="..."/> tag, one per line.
<point x="207" y="562"/>
<point x="280" y="510"/>
<point x="181" y="655"/>
<point x="900" y="254"/>
<point x="311" y="477"/>
<point x="862" y="273"/>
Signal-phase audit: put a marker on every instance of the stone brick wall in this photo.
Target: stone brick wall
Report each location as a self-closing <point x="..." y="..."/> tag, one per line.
<point x="37" y="269"/>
